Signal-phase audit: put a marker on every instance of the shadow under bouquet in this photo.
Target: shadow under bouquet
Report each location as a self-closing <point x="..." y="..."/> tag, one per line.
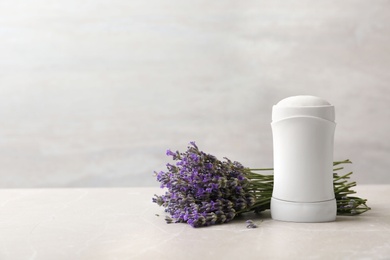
<point x="202" y="190"/>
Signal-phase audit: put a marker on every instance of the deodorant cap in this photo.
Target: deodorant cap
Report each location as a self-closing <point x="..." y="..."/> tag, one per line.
<point x="303" y="106"/>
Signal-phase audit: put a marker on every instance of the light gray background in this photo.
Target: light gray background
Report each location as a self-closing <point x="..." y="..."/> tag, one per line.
<point x="92" y="93"/>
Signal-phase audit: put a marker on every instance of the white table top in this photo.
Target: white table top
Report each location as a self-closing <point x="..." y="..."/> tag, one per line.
<point x="121" y="223"/>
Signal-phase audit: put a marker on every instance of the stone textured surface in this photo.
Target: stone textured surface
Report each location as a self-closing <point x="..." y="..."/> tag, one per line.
<point x="92" y="93"/>
<point x="121" y="223"/>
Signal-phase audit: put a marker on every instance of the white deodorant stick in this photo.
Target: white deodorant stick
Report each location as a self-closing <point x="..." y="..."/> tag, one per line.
<point x="303" y="135"/>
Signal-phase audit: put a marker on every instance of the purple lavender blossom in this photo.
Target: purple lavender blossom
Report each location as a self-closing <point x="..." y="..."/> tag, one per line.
<point x="203" y="190"/>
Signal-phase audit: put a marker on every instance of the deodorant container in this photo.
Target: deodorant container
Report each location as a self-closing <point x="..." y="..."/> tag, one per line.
<point x="303" y="135"/>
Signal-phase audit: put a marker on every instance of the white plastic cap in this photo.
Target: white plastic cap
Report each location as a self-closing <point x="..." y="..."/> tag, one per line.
<point x="303" y="101"/>
<point x="303" y="106"/>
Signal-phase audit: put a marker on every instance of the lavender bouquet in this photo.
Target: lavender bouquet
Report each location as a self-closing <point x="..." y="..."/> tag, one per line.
<point x="203" y="191"/>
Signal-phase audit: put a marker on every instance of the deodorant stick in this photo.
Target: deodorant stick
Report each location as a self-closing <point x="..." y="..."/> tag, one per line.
<point x="303" y="135"/>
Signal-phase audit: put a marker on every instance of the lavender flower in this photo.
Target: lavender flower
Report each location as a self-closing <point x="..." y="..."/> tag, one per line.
<point x="250" y="224"/>
<point x="203" y="190"/>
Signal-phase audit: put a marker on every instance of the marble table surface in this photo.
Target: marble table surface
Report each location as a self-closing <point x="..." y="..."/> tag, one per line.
<point x="123" y="223"/>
